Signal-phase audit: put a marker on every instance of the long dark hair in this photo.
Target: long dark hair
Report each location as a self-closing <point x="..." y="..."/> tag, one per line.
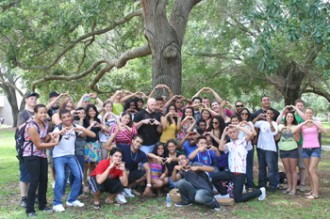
<point x="175" y="118"/>
<point x="130" y="117"/>
<point x="222" y="124"/>
<point x="154" y="151"/>
<point x="87" y="119"/>
<point x="184" y="112"/>
<point x="248" y="111"/>
<point x="294" y="122"/>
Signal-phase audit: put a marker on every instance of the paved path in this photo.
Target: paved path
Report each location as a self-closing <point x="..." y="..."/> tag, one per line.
<point x="326" y="147"/>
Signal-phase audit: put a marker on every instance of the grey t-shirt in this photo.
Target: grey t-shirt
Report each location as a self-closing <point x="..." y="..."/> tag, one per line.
<point x="22" y="115"/>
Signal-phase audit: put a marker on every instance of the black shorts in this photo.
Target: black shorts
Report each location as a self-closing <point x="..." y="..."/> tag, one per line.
<point x="112" y="186"/>
<point x="289" y="154"/>
<point x="135" y="175"/>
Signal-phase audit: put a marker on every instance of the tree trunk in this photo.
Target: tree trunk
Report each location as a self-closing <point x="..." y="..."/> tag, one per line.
<point x="289" y="82"/>
<point x="12" y="99"/>
<point x="165" y="39"/>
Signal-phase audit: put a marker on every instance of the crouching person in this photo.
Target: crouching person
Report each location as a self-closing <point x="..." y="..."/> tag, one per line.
<point x="64" y="156"/>
<point x="237" y="150"/>
<point x="108" y="176"/>
<point x="193" y="184"/>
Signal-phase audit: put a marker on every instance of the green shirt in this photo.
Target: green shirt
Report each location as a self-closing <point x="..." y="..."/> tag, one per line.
<point x="287" y="141"/>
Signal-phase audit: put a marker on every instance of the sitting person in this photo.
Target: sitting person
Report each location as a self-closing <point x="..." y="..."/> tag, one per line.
<point x="109" y="176"/>
<point x="237" y="150"/>
<point x="193" y="184"/>
<point x="159" y="171"/>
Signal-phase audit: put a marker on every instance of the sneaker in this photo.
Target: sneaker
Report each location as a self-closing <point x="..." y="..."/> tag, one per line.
<point x="23" y="202"/>
<point x="182" y="204"/>
<point x="53" y="185"/>
<point x="76" y="203"/>
<point x="263" y="194"/>
<point x="47" y="209"/>
<point x="120" y="198"/>
<point x="58" y="208"/>
<point x="128" y="193"/>
<point x="216" y="206"/>
<point x="31" y="214"/>
<point x="302" y="188"/>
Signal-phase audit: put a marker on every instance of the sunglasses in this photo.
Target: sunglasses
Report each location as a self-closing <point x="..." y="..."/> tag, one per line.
<point x="215" y="123"/>
<point x="239" y="106"/>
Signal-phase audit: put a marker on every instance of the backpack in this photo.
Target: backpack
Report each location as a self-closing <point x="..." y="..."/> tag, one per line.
<point x="20" y="139"/>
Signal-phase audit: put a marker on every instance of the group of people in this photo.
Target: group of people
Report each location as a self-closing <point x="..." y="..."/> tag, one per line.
<point x="127" y="148"/>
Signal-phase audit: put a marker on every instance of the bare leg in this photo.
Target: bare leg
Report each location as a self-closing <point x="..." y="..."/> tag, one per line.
<point x="314" y="161"/>
<point x="307" y="161"/>
<point x="23" y="187"/>
<point x="293" y="173"/>
<point x="286" y="164"/>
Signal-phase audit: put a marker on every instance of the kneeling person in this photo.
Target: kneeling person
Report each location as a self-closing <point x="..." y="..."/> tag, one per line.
<point x="193" y="184"/>
<point x="109" y="176"/>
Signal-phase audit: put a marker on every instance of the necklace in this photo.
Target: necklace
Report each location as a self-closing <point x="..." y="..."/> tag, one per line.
<point x="134" y="159"/>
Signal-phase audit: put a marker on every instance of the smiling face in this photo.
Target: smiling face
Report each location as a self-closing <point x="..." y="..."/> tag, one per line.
<point x="289" y="118"/>
<point x="215" y="123"/>
<point x="125" y="119"/>
<point x="183" y="160"/>
<point x="136" y="143"/>
<point x="188" y="112"/>
<point x="309" y="114"/>
<point x="215" y="106"/>
<point x="41" y="114"/>
<point x="171" y="147"/>
<point x="91" y="113"/>
<point x="160" y="150"/>
<point x="244" y="115"/>
<point x="235" y="121"/>
<point x="152" y="105"/>
<point x="66" y="119"/>
<point x="178" y="103"/>
<point x="265" y="102"/>
<point x="31" y="101"/>
<point x="206" y="115"/>
<point x="108" y="107"/>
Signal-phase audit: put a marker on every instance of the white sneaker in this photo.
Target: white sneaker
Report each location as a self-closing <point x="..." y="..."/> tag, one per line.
<point x="128" y="193"/>
<point x="58" y="208"/>
<point x="263" y="194"/>
<point x="120" y="198"/>
<point x="76" y="203"/>
<point x="53" y="185"/>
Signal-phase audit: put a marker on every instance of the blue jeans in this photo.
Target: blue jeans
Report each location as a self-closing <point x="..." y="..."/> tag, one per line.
<point x="249" y="169"/>
<point x="267" y="159"/>
<point x="190" y="194"/>
<point x="59" y="164"/>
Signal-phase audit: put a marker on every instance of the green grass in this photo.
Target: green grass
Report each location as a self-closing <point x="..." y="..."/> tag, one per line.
<point x="276" y="205"/>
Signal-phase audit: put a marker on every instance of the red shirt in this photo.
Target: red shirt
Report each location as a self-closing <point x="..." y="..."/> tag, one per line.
<point x="103" y="165"/>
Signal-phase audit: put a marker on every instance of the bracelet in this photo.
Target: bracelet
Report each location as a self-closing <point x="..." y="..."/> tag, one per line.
<point x="149" y="185"/>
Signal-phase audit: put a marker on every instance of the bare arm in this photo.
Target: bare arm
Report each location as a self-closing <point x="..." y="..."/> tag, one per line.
<point x="35" y="138"/>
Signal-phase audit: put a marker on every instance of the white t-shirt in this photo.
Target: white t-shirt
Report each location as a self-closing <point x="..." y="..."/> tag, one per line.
<point x="66" y="144"/>
<point x="242" y="135"/>
<point x="266" y="139"/>
<point x="237" y="155"/>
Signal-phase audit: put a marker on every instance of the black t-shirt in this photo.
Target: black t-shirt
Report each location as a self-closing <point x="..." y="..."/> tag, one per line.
<point x="259" y="111"/>
<point x="133" y="159"/>
<point x="147" y="131"/>
<point x="170" y="166"/>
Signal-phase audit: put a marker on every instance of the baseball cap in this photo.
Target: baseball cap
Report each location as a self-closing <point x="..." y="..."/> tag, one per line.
<point x="31" y="94"/>
<point x="53" y="94"/>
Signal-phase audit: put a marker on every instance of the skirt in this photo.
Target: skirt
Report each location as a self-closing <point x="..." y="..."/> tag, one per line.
<point x="92" y="152"/>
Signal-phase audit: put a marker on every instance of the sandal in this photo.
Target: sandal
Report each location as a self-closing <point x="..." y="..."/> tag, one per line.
<point x="292" y="193"/>
<point x="312" y="196"/>
<point x="308" y="193"/>
<point x="97" y="206"/>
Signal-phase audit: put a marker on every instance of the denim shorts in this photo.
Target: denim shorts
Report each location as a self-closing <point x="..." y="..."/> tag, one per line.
<point x="311" y="152"/>
<point x="289" y="154"/>
<point x="23" y="173"/>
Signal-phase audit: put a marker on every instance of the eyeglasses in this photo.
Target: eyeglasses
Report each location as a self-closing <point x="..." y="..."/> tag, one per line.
<point x="239" y="105"/>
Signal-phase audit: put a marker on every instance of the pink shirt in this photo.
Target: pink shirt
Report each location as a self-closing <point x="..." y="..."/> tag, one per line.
<point x="125" y="136"/>
<point x="28" y="146"/>
<point x="310" y="137"/>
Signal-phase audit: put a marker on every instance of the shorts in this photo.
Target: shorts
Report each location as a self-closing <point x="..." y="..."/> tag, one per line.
<point x="311" y="152"/>
<point x="135" y="175"/>
<point x="112" y="186"/>
<point x="301" y="163"/>
<point x="289" y="154"/>
<point x="23" y="173"/>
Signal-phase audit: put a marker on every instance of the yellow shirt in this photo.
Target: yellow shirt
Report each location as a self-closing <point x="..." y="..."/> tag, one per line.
<point x="168" y="133"/>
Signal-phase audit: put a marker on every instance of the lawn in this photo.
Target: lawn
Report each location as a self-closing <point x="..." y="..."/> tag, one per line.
<point x="276" y="205"/>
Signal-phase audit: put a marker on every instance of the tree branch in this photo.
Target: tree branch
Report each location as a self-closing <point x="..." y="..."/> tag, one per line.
<point x="68" y="78"/>
<point x="81" y="38"/>
<point x="318" y="91"/>
<point x="119" y="63"/>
